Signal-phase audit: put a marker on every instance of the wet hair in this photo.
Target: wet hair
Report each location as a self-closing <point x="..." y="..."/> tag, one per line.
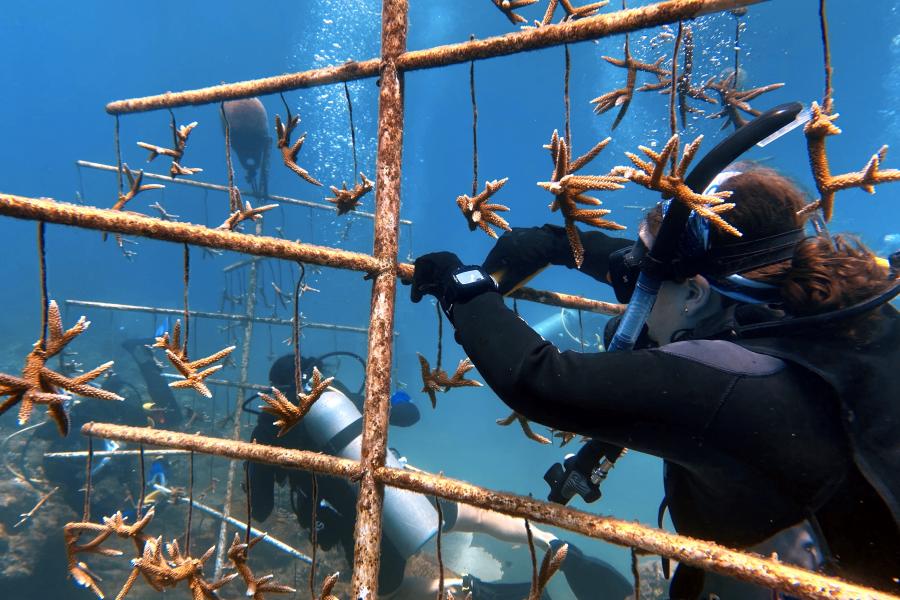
<point x="826" y="273"/>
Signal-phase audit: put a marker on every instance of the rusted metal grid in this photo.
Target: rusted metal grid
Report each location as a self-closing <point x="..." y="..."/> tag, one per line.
<point x="384" y="268"/>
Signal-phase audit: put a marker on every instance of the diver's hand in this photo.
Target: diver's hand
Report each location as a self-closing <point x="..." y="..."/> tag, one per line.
<point x="521" y="253"/>
<point x="432" y="274"/>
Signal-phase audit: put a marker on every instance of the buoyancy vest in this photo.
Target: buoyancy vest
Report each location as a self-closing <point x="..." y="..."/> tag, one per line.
<point x="865" y="376"/>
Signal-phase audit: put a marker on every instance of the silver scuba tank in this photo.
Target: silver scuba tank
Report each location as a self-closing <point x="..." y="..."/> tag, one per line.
<point x="335" y="426"/>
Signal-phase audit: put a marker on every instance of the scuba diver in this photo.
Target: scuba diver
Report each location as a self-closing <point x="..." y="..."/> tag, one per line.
<point x="765" y="376"/>
<point x="248" y="127"/>
<point x="334" y="426"/>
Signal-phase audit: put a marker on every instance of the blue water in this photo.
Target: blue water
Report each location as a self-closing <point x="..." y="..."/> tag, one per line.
<point x="62" y="62"/>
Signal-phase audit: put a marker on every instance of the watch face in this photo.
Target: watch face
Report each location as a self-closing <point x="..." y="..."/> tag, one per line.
<point x="469" y="277"/>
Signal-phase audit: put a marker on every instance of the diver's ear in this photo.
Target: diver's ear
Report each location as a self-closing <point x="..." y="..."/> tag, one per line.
<point x="699" y="293"/>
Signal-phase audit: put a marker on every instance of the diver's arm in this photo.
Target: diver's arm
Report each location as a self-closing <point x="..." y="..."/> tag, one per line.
<point x="647" y="400"/>
<point x="523" y="252"/>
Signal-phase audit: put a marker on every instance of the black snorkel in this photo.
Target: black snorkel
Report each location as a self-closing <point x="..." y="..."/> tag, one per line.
<point x="657" y="261"/>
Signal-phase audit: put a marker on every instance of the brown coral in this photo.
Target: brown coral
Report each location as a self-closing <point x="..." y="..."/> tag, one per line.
<point x="176" y="352"/>
<point x="290" y="151"/>
<point x="39" y="384"/>
<point x="652" y="176"/>
<point x="526" y="428"/>
<point x="347" y="200"/>
<point x="176" y="153"/>
<point x="289" y="414"/>
<point x="479" y="213"/>
<point x="735" y="101"/>
<point x="438" y="380"/>
<point x="569" y="191"/>
<point x="820" y="126"/>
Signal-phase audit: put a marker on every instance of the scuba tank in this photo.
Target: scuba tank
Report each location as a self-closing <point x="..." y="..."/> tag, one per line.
<point x="334" y="425"/>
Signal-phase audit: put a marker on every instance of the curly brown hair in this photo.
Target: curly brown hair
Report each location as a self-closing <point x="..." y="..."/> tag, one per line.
<point x="826" y="273"/>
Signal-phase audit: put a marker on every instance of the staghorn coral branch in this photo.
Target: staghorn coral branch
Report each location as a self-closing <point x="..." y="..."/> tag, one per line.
<point x="480" y="214"/>
<point x="651" y="175"/>
<point x="290" y="151"/>
<point x="248" y="213"/>
<point x="567" y="191"/>
<point x="526" y="427"/>
<point x="289" y="414"/>
<point x="347" y="200"/>
<point x="508" y="8"/>
<point x="820" y="126"/>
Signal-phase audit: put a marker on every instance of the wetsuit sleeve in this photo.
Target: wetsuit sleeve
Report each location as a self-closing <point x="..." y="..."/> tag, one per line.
<point x="597" y="248"/>
<point x="647" y="400"/>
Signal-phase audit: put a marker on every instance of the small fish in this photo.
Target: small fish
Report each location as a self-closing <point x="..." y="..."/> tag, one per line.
<point x="148" y="405"/>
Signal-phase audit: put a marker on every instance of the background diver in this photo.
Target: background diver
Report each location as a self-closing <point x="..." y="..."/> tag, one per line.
<point x="771" y="396"/>
<point x="334" y="426"/>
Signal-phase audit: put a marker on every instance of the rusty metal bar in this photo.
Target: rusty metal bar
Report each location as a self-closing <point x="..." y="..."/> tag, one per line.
<point x="243" y="378"/>
<point x="89" y="217"/>
<point x="224" y="188"/>
<point x="622" y="21"/>
<point x="155" y="310"/>
<point x="568" y="301"/>
<point x="388" y="164"/>
<point x="700" y="553"/>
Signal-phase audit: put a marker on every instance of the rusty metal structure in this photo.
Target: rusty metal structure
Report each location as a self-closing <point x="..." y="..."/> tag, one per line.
<point x="383" y="268"/>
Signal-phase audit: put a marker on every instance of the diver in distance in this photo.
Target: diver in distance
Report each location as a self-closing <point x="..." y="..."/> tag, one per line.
<point x="334" y="426"/>
<point x="766" y="377"/>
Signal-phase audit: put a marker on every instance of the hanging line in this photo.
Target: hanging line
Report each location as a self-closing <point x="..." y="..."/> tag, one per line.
<point x="295" y="331"/>
<point x="187" y="530"/>
<point x="118" y="158"/>
<point x="234" y="199"/>
<point x="42" y="270"/>
<point x="474" y="126"/>
<point x="828" y="98"/>
<point x="352" y="133"/>
<point x="249" y="500"/>
<point x="140" y="506"/>
<point x="187" y="277"/>
<point x="440" y="558"/>
<point x="673" y="122"/>
<point x="566" y="99"/>
<point x="440" y="336"/>
<point x="314" y="536"/>
<point x="86" y="513"/>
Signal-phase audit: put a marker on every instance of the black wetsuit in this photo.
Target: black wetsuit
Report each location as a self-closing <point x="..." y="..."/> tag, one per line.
<point x="752" y="443"/>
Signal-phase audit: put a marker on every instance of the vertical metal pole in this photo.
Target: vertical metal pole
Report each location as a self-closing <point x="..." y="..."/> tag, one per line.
<point x="381" y="325"/>
<point x="236" y="432"/>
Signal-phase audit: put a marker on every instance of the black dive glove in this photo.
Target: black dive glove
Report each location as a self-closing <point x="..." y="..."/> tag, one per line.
<point x="432" y="275"/>
<point x="443" y="275"/>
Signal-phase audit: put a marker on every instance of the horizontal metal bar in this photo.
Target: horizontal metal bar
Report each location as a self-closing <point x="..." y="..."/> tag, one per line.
<point x="89" y="217"/>
<point x="112" y="453"/>
<point x="154" y="310"/>
<point x="604" y="25"/>
<point x="223" y="188"/>
<point x="699" y="553"/>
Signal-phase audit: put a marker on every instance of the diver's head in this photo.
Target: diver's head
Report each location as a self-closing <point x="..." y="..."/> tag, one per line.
<point x="766" y="207"/>
<point x="281" y="373"/>
<point x="802" y="275"/>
